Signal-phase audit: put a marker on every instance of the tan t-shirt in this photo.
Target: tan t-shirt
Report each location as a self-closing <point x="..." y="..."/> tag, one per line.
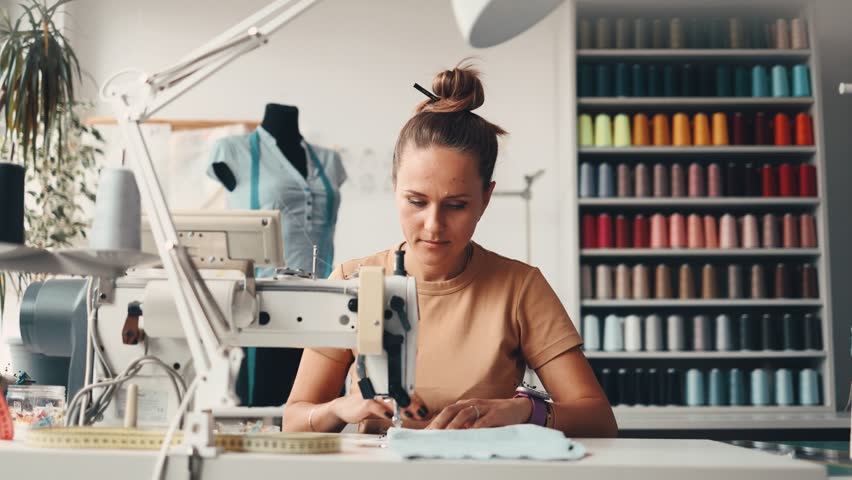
<point x="478" y="330"/>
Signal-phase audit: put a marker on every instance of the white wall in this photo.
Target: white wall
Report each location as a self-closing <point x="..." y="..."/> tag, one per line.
<point x="349" y="66"/>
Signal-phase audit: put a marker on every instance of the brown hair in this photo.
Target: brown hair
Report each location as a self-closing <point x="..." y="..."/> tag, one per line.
<point x="450" y="121"/>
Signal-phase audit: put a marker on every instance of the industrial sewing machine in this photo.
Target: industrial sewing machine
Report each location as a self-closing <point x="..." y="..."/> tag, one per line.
<point x="135" y="316"/>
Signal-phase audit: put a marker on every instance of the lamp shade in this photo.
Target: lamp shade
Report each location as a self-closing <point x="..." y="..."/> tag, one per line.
<point x="485" y="23"/>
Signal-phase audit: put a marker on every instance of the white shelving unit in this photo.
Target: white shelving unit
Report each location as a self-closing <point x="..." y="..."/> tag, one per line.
<point x="676" y="417"/>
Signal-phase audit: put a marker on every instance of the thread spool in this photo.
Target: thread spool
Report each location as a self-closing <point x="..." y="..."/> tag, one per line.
<point x="734" y="184"/>
<point x="696" y="181"/>
<point x="771" y="239"/>
<point x="622" y="33"/>
<point x="711" y="233"/>
<point x="587" y="289"/>
<point x="702" y="129"/>
<point x="724" y="86"/>
<point x="747" y="333"/>
<point x="686" y="284"/>
<point x="623" y="289"/>
<point x="702" y="335"/>
<point x="793" y="334"/>
<point x="117" y="221"/>
<point x="706" y="81"/>
<point x="641" y="33"/>
<point x="790" y="232"/>
<point x="604" y="80"/>
<point x="716" y="388"/>
<point x="663" y="282"/>
<point x="783" y="282"/>
<point x="642" y="181"/>
<point x="589" y="230"/>
<point x="633" y="333"/>
<point x="586" y="133"/>
<point x="609" y="386"/>
<point x="588" y="181"/>
<point x="676" y="36"/>
<point x="661" y="130"/>
<point x="678" y="178"/>
<point x="784" y="388"/>
<point x="640" y="384"/>
<point x="591" y="333"/>
<point x="613" y="334"/>
<point x="724" y="335"/>
<point x="688" y="82"/>
<point x="695" y="34"/>
<point x="626" y="387"/>
<point x="695" y="396"/>
<point x="677" y="231"/>
<point x="655" y="87"/>
<point x="661" y="181"/>
<point x="658" y="34"/>
<point x="695" y="231"/>
<point x="758" y="282"/>
<point x="670" y="82"/>
<point x="624" y="181"/>
<point x="622" y="232"/>
<point x="783" y="130"/>
<point x="641" y="232"/>
<point x="681" y="135"/>
<point x="742" y="82"/>
<point x="807" y="180"/>
<point x="604" y="231"/>
<point x="741" y="135"/>
<point x="759" y="81"/>
<point x="641" y="130"/>
<point x="622" y="131"/>
<point x="761" y="392"/>
<point x="807" y="230"/>
<point x="654" y="333"/>
<point x="728" y="237"/>
<point x="622" y="80"/>
<point x="761" y="129"/>
<point x="812" y="332"/>
<point x="736" y="387"/>
<point x="798" y="34"/>
<point x="736" y="33"/>
<point x="809" y="282"/>
<point x="603" y="282"/>
<point x="769" y="333"/>
<point x="757" y="33"/>
<point x="675" y="337"/>
<point x="736" y="289"/>
<point x="674" y="387"/>
<point x="801" y="81"/>
<point x="586" y="39"/>
<point x="768" y="181"/>
<point x="782" y="34"/>
<point x="780" y="83"/>
<point x="602" y="33"/>
<point x="809" y="387"/>
<point x="804" y="130"/>
<point x="641" y="282"/>
<point x="606" y="181"/>
<point x="659" y="231"/>
<point x="709" y="285"/>
<point x="752" y="180"/>
<point x="720" y="129"/>
<point x="603" y="130"/>
<point x="751" y="239"/>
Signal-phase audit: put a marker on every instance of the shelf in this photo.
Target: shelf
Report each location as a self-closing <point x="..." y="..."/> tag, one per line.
<point x="83" y="262"/>
<point x="761" y="354"/>
<point x="697" y="252"/>
<point x="616" y="104"/>
<point x="676" y="54"/>
<point x="701" y="303"/>
<point x="729" y="418"/>
<point x="724" y="150"/>
<point x="700" y="201"/>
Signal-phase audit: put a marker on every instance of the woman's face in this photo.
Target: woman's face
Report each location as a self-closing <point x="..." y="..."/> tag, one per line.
<point x="440" y="200"/>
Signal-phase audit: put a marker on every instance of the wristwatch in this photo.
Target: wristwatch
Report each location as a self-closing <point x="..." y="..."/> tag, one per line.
<point x="540" y="404"/>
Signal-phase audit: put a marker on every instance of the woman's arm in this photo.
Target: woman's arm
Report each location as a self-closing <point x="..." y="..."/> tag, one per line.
<point x="579" y="408"/>
<point x="318" y="383"/>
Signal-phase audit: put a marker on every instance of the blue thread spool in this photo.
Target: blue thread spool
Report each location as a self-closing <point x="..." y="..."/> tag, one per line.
<point x="670" y="82"/>
<point x="801" y="81"/>
<point x="591" y="333"/>
<point x="780" y="82"/>
<point x="723" y="81"/>
<point x="784" y="387"/>
<point x="716" y="388"/>
<point x="655" y="88"/>
<point x="809" y="387"/>
<point x="639" y="81"/>
<point x="761" y="391"/>
<point x="694" y="387"/>
<point x="622" y="80"/>
<point x="603" y="80"/>
<point x="588" y="183"/>
<point x="742" y="82"/>
<point x="759" y="81"/>
<point x="736" y="387"/>
<point x="606" y="181"/>
<point x="586" y="80"/>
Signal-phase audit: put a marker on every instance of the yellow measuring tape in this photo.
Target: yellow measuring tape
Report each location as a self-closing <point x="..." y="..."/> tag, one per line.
<point x="134" y="439"/>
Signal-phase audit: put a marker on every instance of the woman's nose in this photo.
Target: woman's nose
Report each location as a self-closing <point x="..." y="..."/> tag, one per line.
<point x="433" y="222"/>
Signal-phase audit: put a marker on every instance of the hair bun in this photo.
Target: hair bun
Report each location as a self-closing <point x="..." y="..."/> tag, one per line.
<point x="458" y="90"/>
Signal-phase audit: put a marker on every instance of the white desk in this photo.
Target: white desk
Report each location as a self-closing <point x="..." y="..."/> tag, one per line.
<point x="618" y="459"/>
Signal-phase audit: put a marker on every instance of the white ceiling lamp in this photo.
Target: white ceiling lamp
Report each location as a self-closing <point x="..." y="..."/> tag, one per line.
<point x="485" y="23"/>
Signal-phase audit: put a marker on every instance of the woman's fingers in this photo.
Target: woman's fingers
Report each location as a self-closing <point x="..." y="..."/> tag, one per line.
<point x="465" y="418"/>
<point x="417" y="409"/>
<point x="443" y="419"/>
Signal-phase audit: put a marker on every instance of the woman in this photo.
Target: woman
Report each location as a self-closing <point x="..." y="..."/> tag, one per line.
<point x="483" y="317"/>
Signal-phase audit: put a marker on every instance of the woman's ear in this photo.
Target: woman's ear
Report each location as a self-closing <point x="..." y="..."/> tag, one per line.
<point x="487" y="197"/>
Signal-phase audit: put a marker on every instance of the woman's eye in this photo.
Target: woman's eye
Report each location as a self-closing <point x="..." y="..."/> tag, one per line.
<point x="457" y="206"/>
<point x="416" y="203"/>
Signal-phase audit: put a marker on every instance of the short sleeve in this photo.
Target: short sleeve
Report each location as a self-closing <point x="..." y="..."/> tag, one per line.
<point x="341" y="355"/>
<point x="339" y="168"/>
<point x="223" y="152"/>
<point x="546" y="330"/>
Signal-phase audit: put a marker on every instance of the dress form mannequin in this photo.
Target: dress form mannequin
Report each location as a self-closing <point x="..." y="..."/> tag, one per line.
<point x="282" y="122"/>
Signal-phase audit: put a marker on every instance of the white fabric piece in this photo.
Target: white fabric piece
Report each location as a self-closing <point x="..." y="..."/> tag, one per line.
<point x="515" y="441"/>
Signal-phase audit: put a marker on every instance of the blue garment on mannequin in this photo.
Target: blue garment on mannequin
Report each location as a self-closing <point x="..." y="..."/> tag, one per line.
<point x="308" y="205"/>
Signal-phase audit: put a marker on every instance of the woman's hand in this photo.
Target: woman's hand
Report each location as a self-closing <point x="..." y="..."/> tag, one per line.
<point x="475" y="413"/>
<point x="353" y="408"/>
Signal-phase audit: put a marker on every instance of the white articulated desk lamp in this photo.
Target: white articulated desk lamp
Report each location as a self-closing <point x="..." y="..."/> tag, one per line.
<point x="137" y="96"/>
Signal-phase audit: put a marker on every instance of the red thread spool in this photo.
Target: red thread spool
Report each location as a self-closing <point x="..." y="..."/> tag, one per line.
<point x="622" y="232"/>
<point x="641" y="232"/>
<point x="807" y="180"/>
<point x="783" y="130"/>
<point x="786" y="181"/>
<point x="605" y="237"/>
<point x="761" y="129"/>
<point x="590" y="229"/>
<point x="804" y="130"/>
<point x="741" y="136"/>
<point x="768" y="181"/>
